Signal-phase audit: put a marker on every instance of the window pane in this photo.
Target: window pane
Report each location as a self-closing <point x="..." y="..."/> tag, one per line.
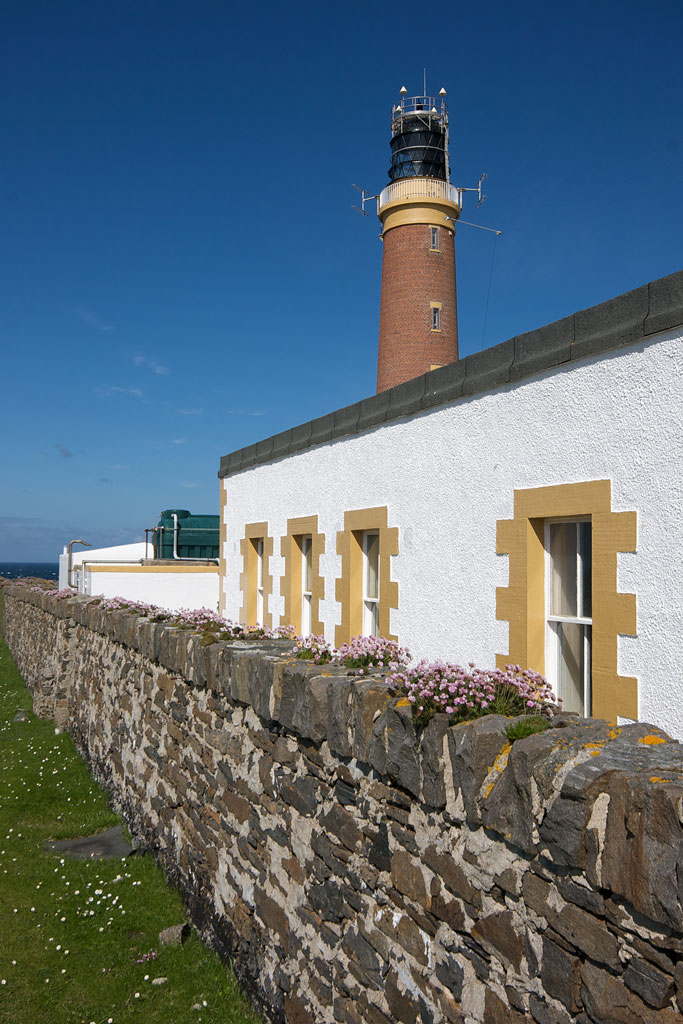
<point x="259" y="563"/>
<point x="563" y="569"/>
<point x="586" y="554"/>
<point x="372" y="565"/>
<point x="307" y="550"/>
<point x="306" y="616"/>
<point x="371" y="618"/>
<point x="571" y="664"/>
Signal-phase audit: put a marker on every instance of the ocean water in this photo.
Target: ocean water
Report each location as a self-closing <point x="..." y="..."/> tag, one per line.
<point x="18" y="570"/>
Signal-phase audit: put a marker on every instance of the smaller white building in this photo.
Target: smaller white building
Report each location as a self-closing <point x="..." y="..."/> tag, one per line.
<point x="125" y="571"/>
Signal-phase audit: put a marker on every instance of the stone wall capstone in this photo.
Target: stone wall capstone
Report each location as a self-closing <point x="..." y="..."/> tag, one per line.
<point x="355" y="870"/>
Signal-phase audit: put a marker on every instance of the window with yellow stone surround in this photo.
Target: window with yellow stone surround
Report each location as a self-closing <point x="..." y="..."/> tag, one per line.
<point x="525" y="604"/>
<point x="256" y="583"/>
<point x="366" y="601"/>
<point x="302" y="586"/>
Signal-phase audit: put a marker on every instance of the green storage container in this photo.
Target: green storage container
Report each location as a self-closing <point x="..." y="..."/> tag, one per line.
<point x="198" y="536"/>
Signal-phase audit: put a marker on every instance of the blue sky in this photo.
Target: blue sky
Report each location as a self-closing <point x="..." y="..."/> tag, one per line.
<point x="182" y="272"/>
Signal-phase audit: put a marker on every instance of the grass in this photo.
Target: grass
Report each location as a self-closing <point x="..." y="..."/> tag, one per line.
<point x="73" y="933"/>
<point x="524" y="727"/>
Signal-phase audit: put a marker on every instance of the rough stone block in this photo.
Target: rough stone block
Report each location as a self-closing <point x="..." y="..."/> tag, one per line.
<point x="652" y="985"/>
<point x="303" y="701"/>
<point x="175" y="935"/>
<point x="368" y="700"/>
<point x="393" y="748"/>
<point x="408" y="878"/>
<point x="474" y="748"/>
<point x="433" y="765"/>
<point x="606" y="998"/>
<point x="498" y="935"/>
<point x="560" y="973"/>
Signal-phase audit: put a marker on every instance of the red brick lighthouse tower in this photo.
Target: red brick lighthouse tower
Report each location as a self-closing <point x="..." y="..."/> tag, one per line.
<point x="418" y="323"/>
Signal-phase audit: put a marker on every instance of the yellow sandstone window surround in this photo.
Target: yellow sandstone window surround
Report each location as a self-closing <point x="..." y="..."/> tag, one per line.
<point x="352" y="545"/>
<point x="523" y="602"/>
<point x="256" y="583"/>
<point x="301" y="549"/>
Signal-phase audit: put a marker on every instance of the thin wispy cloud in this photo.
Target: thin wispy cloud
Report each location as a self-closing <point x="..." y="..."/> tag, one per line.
<point x="134" y="392"/>
<point x="151" y="364"/>
<point x="117" y="465"/>
<point x="245" y="412"/>
<point x="92" y="320"/>
<point x="179" y="440"/>
<point x="190" y="412"/>
<point x="64" y="452"/>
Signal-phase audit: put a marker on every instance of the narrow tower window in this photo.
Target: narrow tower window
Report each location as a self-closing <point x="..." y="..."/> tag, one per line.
<point x="259" y="581"/>
<point x="435" y="238"/>
<point x="370" y="583"/>
<point x="436" y="318"/>
<point x="568" y="596"/>
<point x="306" y="584"/>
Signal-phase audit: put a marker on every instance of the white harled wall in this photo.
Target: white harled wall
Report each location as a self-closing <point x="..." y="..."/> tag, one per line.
<point x="449" y="474"/>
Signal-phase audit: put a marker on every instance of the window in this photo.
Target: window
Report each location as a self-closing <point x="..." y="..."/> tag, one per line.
<point x="371" y="583"/>
<point x="256" y="582"/>
<point x="562" y="602"/>
<point x="258" y="545"/>
<point x="302" y="586"/>
<point x="365" y="590"/>
<point x="436" y="318"/>
<point x="568" y="611"/>
<point x="434" y="238"/>
<point x="306" y="545"/>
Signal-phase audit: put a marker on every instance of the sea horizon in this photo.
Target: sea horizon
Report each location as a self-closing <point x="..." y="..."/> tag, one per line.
<point x="37" y="570"/>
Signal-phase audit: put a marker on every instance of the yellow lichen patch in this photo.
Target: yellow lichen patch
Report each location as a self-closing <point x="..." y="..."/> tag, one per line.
<point x="655" y="778"/>
<point x="613" y="733"/>
<point x="593" y="746"/>
<point x="651" y="739"/>
<point x="403" y="703"/>
<point x="495" y="770"/>
<point x="595" y="753"/>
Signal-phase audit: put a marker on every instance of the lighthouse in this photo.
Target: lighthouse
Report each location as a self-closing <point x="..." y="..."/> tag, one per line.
<point x="418" y="322"/>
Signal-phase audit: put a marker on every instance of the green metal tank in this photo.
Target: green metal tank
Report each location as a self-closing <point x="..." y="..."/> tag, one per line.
<point x="183" y="535"/>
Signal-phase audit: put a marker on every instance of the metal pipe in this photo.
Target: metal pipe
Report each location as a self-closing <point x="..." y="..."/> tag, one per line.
<point x="69" y="568"/>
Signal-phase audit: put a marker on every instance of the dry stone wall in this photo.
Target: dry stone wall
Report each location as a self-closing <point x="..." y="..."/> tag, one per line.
<point x="355" y="871"/>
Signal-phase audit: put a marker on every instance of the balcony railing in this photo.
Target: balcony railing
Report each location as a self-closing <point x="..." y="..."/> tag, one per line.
<point x="419" y="188"/>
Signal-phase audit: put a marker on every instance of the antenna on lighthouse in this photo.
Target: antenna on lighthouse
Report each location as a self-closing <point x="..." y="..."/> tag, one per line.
<point x="365" y="197"/>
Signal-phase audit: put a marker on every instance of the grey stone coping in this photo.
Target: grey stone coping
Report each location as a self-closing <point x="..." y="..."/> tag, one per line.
<point x="626" y="319"/>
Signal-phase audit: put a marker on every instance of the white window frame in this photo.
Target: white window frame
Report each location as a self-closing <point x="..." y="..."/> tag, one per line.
<point x="370" y="603"/>
<point x="259" y="581"/>
<point x="434" y="239"/>
<point x="306" y="544"/>
<point x="552" y="641"/>
<point x="436" y="318"/>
